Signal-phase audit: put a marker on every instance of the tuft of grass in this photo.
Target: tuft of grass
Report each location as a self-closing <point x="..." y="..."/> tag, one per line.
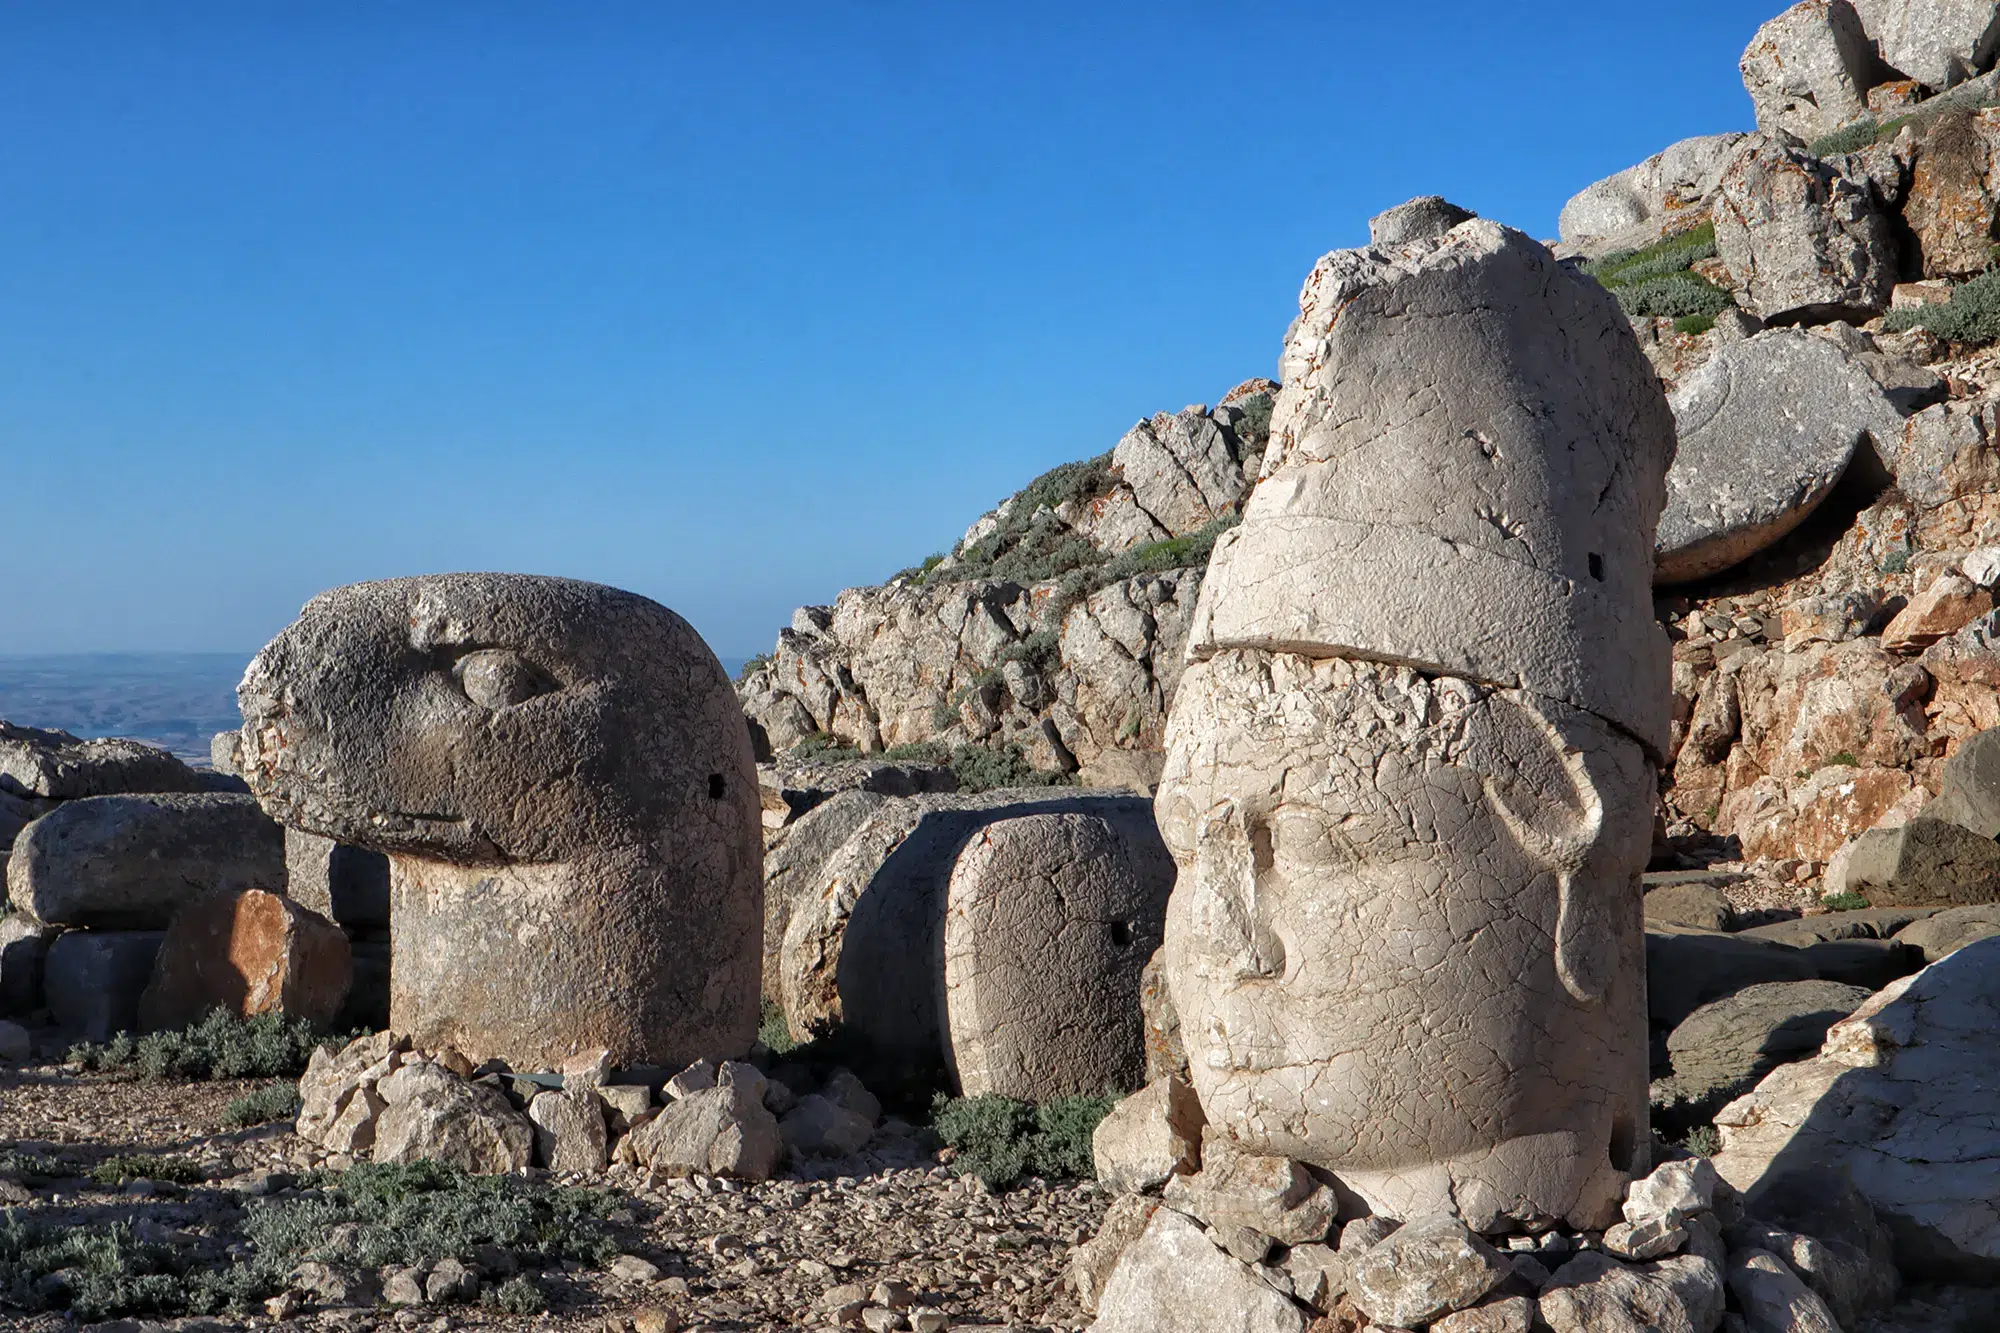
<point x="774" y="1032"/>
<point x="1694" y="325"/>
<point x="823" y="746"/>
<point x="1001" y="1139"/>
<point x="32" y="1168"/>
<point x="277" y="1101"/>
<point x="1970" y="318"/>
<point x="125" y="1167"/>
<point x="753" y="666"/>
<point x="1853" y="137"/>
<point x="1703" y="1141"/>
<point x="222" y="1045"/>
<point x="1845" y="901"/>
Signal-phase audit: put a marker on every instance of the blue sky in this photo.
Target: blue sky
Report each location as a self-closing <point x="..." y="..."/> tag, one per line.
<point x="732" y="305"/>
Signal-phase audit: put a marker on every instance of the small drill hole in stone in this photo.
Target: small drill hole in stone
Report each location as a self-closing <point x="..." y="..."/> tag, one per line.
<point x="1121" y="934"/>
<point x="715" y="786"/>
<point x="1597" y="566"/>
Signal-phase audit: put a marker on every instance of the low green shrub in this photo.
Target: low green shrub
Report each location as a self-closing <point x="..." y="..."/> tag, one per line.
<point x="1971" y="317"/>
<point x="820" y="746"/>
<point x="518" y="1296"/>
<point x="774" y="1031"/>
<point x="1703" y="1141"/>
<point x="1851" y="138"/>
<point x="987" y="767"/>
<point x="1694" y="325"/>
<point x="32" y="1168"/>
<point x="1845" y="901"/>
<point x="124" y="1167"/>
<point x="276" y="1101"/>
<point x="99" y="1271"/>
<point x="1844" y="759"/>
<point x="1657" y="281"/>
<point x="1001" y="1139"/>
<point x="222" y="1045"/>
<point x="752" y="666"/>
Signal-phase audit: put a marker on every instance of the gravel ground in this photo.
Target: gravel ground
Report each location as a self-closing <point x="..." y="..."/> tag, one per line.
<point x="778" y="1255"/>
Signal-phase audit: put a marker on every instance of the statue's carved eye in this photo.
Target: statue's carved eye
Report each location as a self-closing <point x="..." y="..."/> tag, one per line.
<point x="499" y="678"/>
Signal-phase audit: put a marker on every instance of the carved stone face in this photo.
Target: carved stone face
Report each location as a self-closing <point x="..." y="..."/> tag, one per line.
<point x="1405" y="942"/>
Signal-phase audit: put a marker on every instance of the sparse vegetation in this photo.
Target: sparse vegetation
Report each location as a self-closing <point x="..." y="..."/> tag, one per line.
<point x="1844" y="759"/>
<point x="276" y="1101"/>
<point x="98" y="1271"/>
<point x="774" y="1031"/>
<point x="222" y="1045"/>
<point x="1703" y="1141"/>
<point x="517" y="1295"/>
<point x="1971" y="317"/>
<point x="753" y="666"/>
<point x="1658" y="280"/>
<point x="822" y="747"/>
<point x="977" y="767"/>
<point x="1001" y="1140"/>
<point x="126" y="1167"/>
<point x="1694" y="325"/>
<point x="1851" y="137"/>
<point x="1844" y="901"/>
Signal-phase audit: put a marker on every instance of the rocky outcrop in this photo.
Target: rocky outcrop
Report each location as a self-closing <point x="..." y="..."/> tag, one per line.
<point x="1808" y="71"/>
<point x="1802" y="240"/>
<point x="54" y="765"/>
<point x="1667" y="193"/>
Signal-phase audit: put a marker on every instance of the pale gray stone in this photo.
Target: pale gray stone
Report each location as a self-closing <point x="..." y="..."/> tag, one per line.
<point x="132" y="862"/>
<point x="561" y="777"/>
<point x="1049" y="922"/>
<point x="429" y="1114"/>
<point x="1686" y="969"/>
<point x="349" y="885"/>
<point x="1678" y="180"/>
<point x="1899" y="1099"/>
<point x="1654" y="1238"/>
<point x="1504" y="1314"/>
<point x="1801" y="239"/>
<point x="1463" y="475"/>
<point x="1674" y="1192"/>
<point x="92" y="979"/>
<point x="55" y="764"/>
<point x="1418" y="220"/>
<point x="791" y="868"/>
<point x="1766" y="428"/>
<point x="1924" y="863"/>
<point x="1722" y="1049"/>
<point x="1809" y="69"/>
<point x="1969" y="788"/>
<point x="1149" y="1137"/>
<point x="1939" y="43"/>
<point x="816" y="1127"/>
<point x="338" y="1092"/>
<point x="1091" y="1264"/>
<point x="1182" y="471"/>
<point x="1944" y="933"/>
<point x="1271" y="1195"/>
<point x="1819" y="1224"/>
<point x="1772" y="1298"/>
<point x="1594" y="1293"/>
<point x="720" y="1131"/>
<point x="570" y="1133"/>
<point x="222" y="752"/>
<point x="1427" y="1269"/>
<point x="1173" y="1279"/>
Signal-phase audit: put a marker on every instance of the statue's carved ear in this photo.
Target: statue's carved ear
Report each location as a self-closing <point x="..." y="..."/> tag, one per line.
<point x="1541" y="788"/>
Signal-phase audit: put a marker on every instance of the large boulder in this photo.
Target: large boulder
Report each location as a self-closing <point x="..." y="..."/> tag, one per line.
<point x="1174" y="1279"/>
<point x="792" y="867"/>
<point x="1939" y="43"/>
<point x="1673" y="186"/>
<point x="1686" y="969"/>
<point x="1417" y="219"/>
<point x="1808" y="71"/>
<point x="248" y="952"/>
<point x="561" y="778"/>
<point x="1148" y="1138"/>
<point x="1410" y="767"/>
<point x="348" y="885"/>
<point x="430" y="1114"/>
<point x="1925" y="863"/>
<point x="1766" y="428"/>
<point x="1900" y="1099"/>
<point x="1954" y="195"/>
<point x="724" y="1130"/>
<point x="93" y="979"/>
<point x="1801" y="239"/>
<point x="1594" y="1293"/>
<point x="132" y="862"/>
<point x="1049" y="922"/>
<point x="1722" y="1049"/>
<point x="57" y="765"/>
<point x="1944" y="933"/>
<point x="865" y="945"/>
<point x="1969" y="787"/>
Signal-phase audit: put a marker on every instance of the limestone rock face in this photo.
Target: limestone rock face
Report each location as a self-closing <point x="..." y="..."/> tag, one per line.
<point x="1800" y="238"/>
<point x="132" y="862"/>
<point x="1418" y="220"/>
<point x="1766" y="428"/>
<point x="1900" y="1100"/>
<point x="1674" y="184"/>
<point x="1173" y="1279"/>
<point x="1954" y="192"/>
<point x="1808" y="70"/>
<point x="1409" y="774"/>
<point x="1939" y="43"/>
<point x="1049" y="921"/>
<point x="248" y="952"/>
<point x="562" y="780"/>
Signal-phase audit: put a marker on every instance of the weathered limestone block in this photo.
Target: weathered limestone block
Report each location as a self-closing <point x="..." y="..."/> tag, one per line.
<point x="1049" y="921"/>
<point x="429" y="1114"/>
<point x="1149" y="1137"/>
<point x="561" y="778"/>
<point x="1173" y="1279"/>
<point x="1800" y="238"/>
<point x="348" y="885"/>
<point x="24" y="946"/>
<point x="719" y="1131"/>
<point x="570" y="1132"/>
<point x="1417" y="220"/>
<point x="1939" y="43"/>
<point x="1410" y="769"/>
<point x="1765" y="430"/>
<point x="1969" y="788"/>
<point x="248" y="952"/>
<point x="1675" y="183"/>
<point x="132" y="862"/>
<point x="92" y="979"/>
<point x="1926" y="862"/>
<point x="1722" y="1049"/>
<point x="1808" y="71"/>
<point x="1900" y="1100"/>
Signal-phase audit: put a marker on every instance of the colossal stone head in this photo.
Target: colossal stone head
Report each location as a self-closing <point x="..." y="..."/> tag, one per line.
<point x="1409" y="773"/>
<point x="563" y="780"/>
